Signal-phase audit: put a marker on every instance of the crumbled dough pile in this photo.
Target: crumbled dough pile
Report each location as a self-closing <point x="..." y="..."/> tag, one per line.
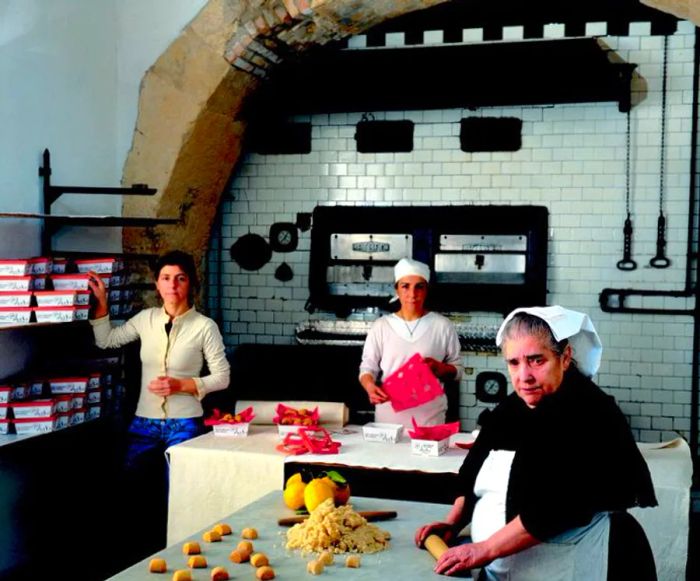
<point x="340" y="530"/>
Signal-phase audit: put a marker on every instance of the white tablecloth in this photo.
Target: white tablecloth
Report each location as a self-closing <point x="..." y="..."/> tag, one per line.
<point x="213" y="475"/>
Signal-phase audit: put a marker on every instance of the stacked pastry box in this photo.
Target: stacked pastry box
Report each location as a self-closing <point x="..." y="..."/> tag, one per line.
<point x="16" y="285"/>
<point x="25" y="410"/>
<point x="112" y="271"/>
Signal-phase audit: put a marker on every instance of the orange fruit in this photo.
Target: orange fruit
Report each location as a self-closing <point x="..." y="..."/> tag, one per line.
<point x="295" y="495"/>
<point x="293" y="478"/>
<point x="316" y="492"/>
<point x="341" y="494"/>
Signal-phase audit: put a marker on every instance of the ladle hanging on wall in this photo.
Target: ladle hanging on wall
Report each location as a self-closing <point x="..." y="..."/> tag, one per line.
<point x="627" y="263"/>
<point x="660" y="260"/>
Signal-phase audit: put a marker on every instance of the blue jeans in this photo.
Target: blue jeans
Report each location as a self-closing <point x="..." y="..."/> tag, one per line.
<point x="149" y="438"/>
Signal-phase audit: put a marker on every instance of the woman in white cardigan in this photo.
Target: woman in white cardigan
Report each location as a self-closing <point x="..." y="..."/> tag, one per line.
<point x="176" y="341"/>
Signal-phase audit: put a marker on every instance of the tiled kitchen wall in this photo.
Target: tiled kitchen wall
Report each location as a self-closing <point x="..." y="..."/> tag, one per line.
<point x="572" y="161"/>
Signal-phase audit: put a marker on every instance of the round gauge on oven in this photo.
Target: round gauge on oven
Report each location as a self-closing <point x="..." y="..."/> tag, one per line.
<point x="491" y="387"/>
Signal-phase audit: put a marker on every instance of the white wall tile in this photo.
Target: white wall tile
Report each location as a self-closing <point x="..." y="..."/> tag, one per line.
<point x="572" y="161"/>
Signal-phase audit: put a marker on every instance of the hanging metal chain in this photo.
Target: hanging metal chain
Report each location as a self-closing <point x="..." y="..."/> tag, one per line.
<point x="627" y="263"/>
<point x="660" y="260"/>
<point x="662" y="152"/>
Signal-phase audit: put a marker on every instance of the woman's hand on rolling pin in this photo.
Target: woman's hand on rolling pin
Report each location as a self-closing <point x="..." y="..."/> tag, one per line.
<point x="99" y="290"/>
<point x="376" y="394"/>
<point x="442" y="529"/>
<point x="462" y="558"/>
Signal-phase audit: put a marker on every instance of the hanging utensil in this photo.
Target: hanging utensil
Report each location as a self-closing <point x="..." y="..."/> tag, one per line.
<point x="660" y="260"/>
<point x="627" y="263"/>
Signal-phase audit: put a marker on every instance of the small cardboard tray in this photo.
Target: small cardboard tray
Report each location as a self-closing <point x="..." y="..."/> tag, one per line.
<point x="382" y="432"/>
<point x="430" y="447"/>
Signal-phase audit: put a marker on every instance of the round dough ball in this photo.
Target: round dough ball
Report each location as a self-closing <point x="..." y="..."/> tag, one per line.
<point x="249" y="533"/>
<point x="219" y="574"/>
<point x="157" y="565"/>
<point x="223" y="529"/>
<point x="197" y="562"/>
<point x="352" y="561"/>
<point x="212" y="536"/>
<point x="259" y="560"/>
<point x="245" y="547"/>
<point x="326" y="558"/>
<point x="265" y="573"/>
<point x="314" y="567"/>
<point x="238" y="556"/>
<point x="191" y="548"/>
<point x="182" y="575"/>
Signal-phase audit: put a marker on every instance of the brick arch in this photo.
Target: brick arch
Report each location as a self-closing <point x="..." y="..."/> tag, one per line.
<point x="189" y="131"/>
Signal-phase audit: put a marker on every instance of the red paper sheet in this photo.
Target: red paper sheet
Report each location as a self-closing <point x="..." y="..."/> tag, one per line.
<point x="412" y="384"/>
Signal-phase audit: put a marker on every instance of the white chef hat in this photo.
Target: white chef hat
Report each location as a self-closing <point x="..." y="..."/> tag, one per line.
<point x="410" y="267"/>
<point x="566" y="324"/>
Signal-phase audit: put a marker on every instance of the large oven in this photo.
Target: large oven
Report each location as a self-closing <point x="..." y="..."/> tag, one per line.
<point x="482" y="258"/>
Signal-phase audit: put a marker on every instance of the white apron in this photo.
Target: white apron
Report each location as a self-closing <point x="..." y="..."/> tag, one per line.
<point x="579" y="554"/>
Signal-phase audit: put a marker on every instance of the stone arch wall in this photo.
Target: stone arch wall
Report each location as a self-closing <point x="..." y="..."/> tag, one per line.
<point x="189" y="131"/>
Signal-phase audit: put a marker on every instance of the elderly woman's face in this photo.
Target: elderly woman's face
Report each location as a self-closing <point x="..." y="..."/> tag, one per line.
<point x="412" y="291"/>
<point x="535" y="370"/>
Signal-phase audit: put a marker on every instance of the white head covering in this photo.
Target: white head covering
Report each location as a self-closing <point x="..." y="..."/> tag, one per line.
<point x="410" y="267"/>
<point x="571" y="325"/>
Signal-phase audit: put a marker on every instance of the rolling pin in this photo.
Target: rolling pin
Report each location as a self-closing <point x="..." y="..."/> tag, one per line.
<point x="370" y="515"/>
<point x="435" y="546"/>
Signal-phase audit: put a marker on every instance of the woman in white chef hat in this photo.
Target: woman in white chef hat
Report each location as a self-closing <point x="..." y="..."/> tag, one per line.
<point x="554" y="468"/>
<point x="395" y="338"/>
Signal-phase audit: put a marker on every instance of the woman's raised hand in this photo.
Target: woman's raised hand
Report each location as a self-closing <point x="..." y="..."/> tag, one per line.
<point x="99" y="290"/>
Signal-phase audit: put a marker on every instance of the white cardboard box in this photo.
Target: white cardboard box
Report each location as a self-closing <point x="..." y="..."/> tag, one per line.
<point x="430" y="447"/>
<point x="40" y="408"/>
<point x="380" y="432"/>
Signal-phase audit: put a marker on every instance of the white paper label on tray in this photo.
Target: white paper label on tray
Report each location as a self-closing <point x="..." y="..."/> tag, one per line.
<point x="15" y="299"/>
<point x="379" y="432"/>
<point x="15" y="315"/>
<point x="231" y="430"/>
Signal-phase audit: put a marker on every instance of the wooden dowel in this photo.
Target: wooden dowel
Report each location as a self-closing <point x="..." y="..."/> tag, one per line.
<point x="435" y="546"/>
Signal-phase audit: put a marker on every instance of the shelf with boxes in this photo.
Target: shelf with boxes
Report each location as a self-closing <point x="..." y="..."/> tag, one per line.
<point x="50" y="402"/>
<point x="55" y="290"/>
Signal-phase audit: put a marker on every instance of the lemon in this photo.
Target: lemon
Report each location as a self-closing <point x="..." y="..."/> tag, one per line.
<point x="293" y="478"/>
<point x="294" y="495"/>
<point x="316" y="492"/>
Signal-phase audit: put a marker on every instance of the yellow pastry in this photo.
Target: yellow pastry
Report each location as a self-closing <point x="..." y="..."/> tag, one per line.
<point x="197" y="562"/>
<point x="249" y="533"/>
<point x="157" y="565"/>
<point x="259" y="560"/>
<point x="219" y="574"/>
<point x="223" y="529"/>
<point x="352" y="561"/>
<point x="191" y="548"/>
<point x="211" y="536"/>
<point x="326" y="558"/>
<point x="265" y="573"/>
<point x="245" y="547"/>
<point x="238" y="556"/>
<point x="182" y="575"/>
<point x="314" y="567"/>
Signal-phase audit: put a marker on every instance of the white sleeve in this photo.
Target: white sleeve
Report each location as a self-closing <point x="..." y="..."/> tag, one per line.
<point x="218" y="365"/>
<point x="372" y="352"/>
<point x="108" y="337"/>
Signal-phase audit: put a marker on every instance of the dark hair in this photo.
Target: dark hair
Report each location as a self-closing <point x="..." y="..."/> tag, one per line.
<point x="527" y="324"/>
<point x="185" y="262"/>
